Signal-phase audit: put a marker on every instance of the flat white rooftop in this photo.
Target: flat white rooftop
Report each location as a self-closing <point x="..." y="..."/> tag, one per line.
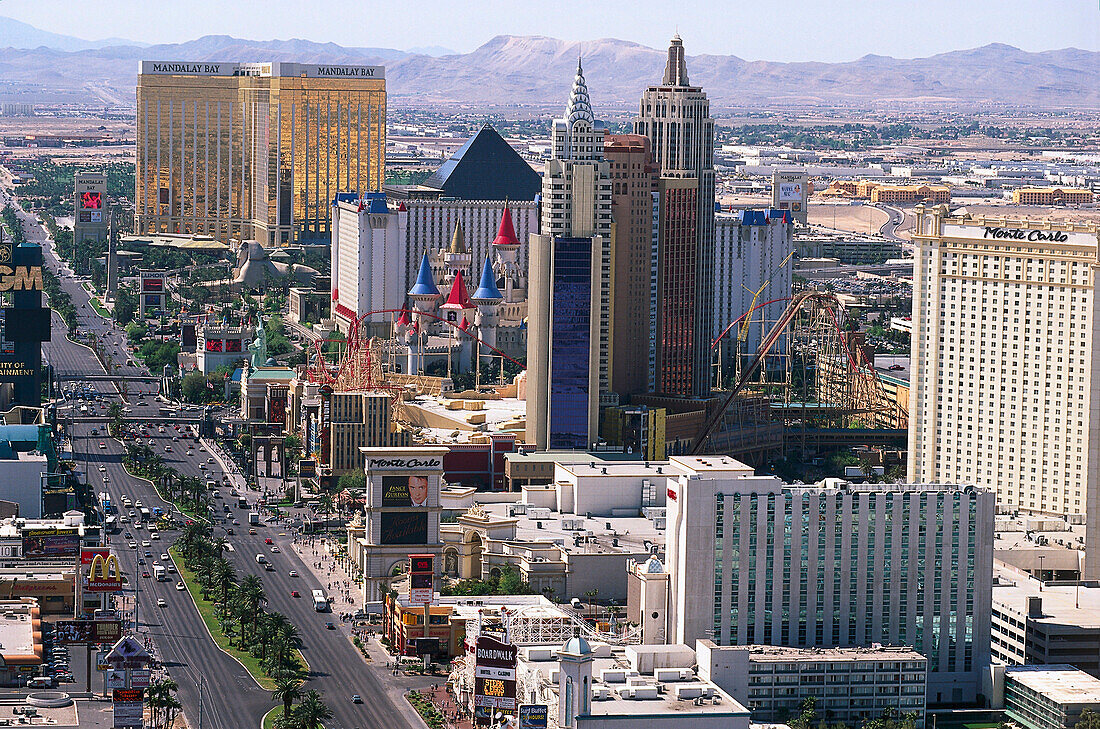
<point x="1061" y="684"/>
<point x="1062" y="604"/>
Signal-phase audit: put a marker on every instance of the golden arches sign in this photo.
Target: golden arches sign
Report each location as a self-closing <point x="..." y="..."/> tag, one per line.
<point x="100" y="578"/>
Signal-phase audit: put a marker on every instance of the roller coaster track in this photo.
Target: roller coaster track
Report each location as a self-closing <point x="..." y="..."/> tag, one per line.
<point x="797" y="303"/>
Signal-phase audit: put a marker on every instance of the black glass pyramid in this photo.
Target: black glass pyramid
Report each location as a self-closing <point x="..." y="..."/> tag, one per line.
<point x="486" y="168"/>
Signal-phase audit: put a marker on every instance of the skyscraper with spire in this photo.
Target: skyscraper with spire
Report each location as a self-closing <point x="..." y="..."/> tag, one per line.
<point x="675" y="116"/>
<point x="569" y="283"/>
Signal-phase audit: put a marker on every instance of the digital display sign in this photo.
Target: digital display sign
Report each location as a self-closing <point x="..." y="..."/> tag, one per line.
<point x="404" y="491"/>
<point x="421" y="563"/>
<point x="232" y="345"/>
<point x="404" y="527"/>
<point x="90" y="200"/>
<point x="214" y="345"/>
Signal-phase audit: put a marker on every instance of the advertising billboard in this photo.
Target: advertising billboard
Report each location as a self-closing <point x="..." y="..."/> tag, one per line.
<point x="87" y="554"/>
<point x="232" y="345"/>
<point x="152" y="285"/>
<point x="91" y="200"/>
<point x="277" y="410"/>
<point x="404" y="527"/>
<point x="533" y="716"/>
<point x="82" y="632"/>
<point x="494" y="674"/>
<point x="404" y="490"/>
<point x="104" y="574"/>
<point x="790" y="192"/>
<point x="128" y="705"/>
<point x="50" y="542"/>
<point x="214" y="345"/>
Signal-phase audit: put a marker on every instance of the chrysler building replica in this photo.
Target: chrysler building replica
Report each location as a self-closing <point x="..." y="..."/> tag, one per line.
<point x="569" y="284"/>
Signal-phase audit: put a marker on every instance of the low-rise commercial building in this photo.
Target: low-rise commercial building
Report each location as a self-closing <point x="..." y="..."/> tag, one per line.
<point x="592" y="685"/>
<point x="850" y="685"/>
<point x="1049" y="697"/>
<point x="910" y="194"/>
<point x="1044" y="624"/>
<point x="1051" y="196"/>
<point x="21" y="646"/>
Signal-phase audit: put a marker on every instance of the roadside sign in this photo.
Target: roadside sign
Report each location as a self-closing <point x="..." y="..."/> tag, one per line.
<point x="533" y="716"/>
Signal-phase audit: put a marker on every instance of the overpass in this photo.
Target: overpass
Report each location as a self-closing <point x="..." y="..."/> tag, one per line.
<point x="197" y="419"/>
<point x="79" y="377"/>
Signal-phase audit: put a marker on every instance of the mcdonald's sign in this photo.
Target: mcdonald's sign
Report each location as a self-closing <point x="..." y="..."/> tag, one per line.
<point x="100" y="577"/>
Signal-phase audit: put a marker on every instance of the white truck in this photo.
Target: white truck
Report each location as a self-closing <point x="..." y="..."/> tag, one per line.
<point x="159" y="573"/>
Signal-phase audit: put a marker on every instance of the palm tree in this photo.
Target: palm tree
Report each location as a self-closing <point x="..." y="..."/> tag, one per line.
<point x="163" y="705"/>
<point x="223" y="576"/>
<point x="311" y="712"/>
<point x="288" y="691"/>
<point x="250" y="594"/>
<point x="287" y="640"/>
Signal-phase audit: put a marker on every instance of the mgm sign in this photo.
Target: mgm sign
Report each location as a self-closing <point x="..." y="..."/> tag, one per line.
<point x="24" y="322"/>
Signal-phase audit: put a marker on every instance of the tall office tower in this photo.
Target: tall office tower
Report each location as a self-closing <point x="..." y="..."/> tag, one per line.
<point x="633" y="262"/>
<point x="255" y="150"/>
<point x="675" y="116"/>
<point x="570" y="280"/>
<point x="1005" y="363"/>
<point x="823" y="566"/>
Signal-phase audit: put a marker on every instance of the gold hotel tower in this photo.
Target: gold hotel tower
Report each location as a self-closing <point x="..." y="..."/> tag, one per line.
<point x="255" y="150"/>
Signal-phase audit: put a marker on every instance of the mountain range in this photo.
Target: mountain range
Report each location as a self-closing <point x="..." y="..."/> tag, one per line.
<point x="535" y="70"/>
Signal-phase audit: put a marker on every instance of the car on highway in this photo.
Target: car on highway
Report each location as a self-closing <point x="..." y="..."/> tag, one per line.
<point x="180" y="586"/>
<point x="164" y="557"/>
<point x="275" y="549"/>
<point x="252" y="532"/>
<point x="356" y="699"/>
<point x="330" y="626"/>
<point x="293" y="573"/>
<point x="161" y="602"/>
<point x="295" y="593"/>
<point x="267" y="540"/>
<point x="132" y="545"/>
<point x="148" y="554"/>
<point x="102" y="469"/>
<point x="146" y="574"/>
<point x="102" y="444"/>
<point x="146" y="543"/>
<point x="141" y="561"/>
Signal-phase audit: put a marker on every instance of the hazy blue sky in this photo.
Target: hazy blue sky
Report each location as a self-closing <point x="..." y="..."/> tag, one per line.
<point x="779" y="30"/>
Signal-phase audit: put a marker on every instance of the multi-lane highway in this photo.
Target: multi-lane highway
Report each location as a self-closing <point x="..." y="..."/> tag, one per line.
<point x="230" y="697"/>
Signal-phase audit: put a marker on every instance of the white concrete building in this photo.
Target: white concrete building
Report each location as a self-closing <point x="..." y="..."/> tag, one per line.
<point x="598" y="686"/>
<point x="369" y="253"/>
<point x="832" y="565"/>
<point x="1005" y="362"/>
<point x="752" y="266"/>
<point x="850" y="684"/>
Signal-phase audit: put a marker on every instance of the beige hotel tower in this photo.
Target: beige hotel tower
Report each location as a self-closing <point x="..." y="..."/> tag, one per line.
<point x="255" y="150"/>
<point x="1005" y="370"/>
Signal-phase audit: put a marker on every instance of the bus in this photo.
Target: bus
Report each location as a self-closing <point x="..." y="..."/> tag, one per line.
<point x="242" y="502"/>
<point x="110" y="525"/>
<point x="144" y="512"/>
<point x="320" y="602"/>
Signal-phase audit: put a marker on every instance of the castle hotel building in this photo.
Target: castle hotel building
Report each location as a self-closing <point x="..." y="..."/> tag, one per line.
<point x="1005" y="362"/>
<point x="255" y="150"/>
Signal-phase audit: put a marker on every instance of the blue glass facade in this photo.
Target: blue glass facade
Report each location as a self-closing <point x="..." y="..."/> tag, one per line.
<point x="570" y="346"/>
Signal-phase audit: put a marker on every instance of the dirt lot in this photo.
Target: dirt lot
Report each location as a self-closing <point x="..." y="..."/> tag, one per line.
<point x="842" y="216"/>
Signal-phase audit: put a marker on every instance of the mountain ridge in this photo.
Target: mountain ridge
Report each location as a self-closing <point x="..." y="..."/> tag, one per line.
<point x="538" y="70"/>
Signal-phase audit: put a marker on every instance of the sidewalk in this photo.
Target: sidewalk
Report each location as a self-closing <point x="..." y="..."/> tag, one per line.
<point x="445" y="703"/>
<point x="318" y="552"/>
